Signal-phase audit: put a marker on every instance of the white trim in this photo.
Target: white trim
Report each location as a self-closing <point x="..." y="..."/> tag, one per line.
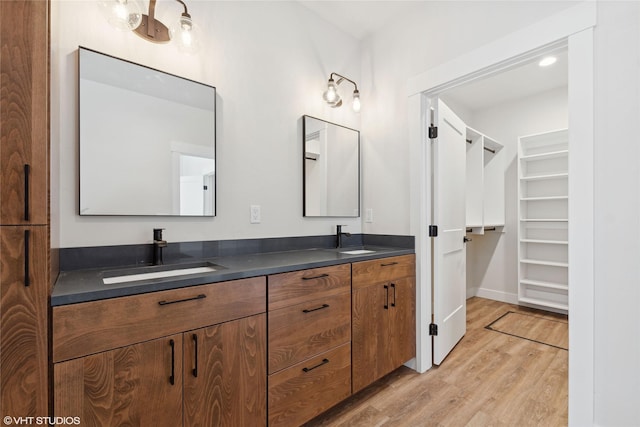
<point x="581" y="229"/>
<point x="573" y="26"/>
<point x="508" y="297"/>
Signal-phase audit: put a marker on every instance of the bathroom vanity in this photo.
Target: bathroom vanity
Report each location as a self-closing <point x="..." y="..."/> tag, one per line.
<point x="274" y="338"/>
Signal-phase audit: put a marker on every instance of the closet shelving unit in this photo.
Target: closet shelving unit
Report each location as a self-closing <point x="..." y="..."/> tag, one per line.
<point x="484" y="184"/>
<point x="543" y="220"/>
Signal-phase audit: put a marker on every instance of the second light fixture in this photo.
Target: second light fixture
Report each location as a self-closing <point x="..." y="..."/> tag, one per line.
<point x="332" y="97"/>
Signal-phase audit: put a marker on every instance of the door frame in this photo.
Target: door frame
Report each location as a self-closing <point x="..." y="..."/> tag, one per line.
<point x="572" y="27"/>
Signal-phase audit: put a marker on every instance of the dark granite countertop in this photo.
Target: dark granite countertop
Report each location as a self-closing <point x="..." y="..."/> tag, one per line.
<point x="87" y="285"/>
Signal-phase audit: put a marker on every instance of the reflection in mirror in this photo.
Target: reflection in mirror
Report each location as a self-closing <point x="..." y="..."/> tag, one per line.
<point x="147" y="140"/>
<point x="331" y="169"/>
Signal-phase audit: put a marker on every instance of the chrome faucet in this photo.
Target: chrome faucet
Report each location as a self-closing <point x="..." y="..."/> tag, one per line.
<point x="339" y="234"/>
<point x="158" y="245"/>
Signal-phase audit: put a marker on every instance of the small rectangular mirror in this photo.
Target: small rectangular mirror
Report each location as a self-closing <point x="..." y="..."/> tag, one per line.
<point x="331" y="169"/>
<point x="147" y="140"/>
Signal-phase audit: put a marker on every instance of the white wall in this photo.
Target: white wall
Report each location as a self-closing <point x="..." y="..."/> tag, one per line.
<point x="492" y="267"/>
<point x="617" y="214"/>
<point x="269" y="62"/>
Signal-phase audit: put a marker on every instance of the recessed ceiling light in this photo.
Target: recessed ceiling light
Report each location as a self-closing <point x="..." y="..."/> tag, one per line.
<point x="546" y="61"/>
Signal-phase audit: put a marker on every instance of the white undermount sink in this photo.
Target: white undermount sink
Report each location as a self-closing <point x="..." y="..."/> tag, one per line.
<point x="156" y="272"/>
<point x="357" y="252"/>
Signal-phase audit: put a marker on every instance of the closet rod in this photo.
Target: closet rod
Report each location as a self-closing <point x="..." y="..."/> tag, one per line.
<point x="488" y="149"/>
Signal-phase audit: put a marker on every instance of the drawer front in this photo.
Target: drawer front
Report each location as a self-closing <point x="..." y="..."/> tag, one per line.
<point x="307" y="329"/>
<point x="306" y="285"/>
<point x="301" y="392"/>
<point x="366" y="273"/>
<point x="91" y="327"/>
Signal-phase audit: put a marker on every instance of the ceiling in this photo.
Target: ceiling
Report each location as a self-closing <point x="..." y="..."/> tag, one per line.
<point x="517" y="83"/>
<point x="360" y="18"/>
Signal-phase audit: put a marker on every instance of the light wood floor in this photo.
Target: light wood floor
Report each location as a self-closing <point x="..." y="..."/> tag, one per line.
<point x="489" y="379"/>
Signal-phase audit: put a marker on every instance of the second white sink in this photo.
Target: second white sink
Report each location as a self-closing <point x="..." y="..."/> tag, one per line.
<point x="357" y="252"/>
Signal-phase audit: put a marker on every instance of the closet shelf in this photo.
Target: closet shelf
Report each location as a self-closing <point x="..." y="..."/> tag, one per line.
<point x="541" y="284"/>
<point x="545" y="303"/>
<point x="543" y="156"/>
<point x="536" y="199"/>
<point x="545" y="242"/>
<point x="544" y="177"/>
<point x="542" y="262"/>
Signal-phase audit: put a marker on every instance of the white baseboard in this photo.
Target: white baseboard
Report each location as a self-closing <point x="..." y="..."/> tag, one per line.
<point x="496" y="295"/>
<point x="471" y="292"/>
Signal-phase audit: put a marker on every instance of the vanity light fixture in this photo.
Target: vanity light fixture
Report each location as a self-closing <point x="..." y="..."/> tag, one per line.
<point x="332" y="97"/>
<point x="127" y="15"/>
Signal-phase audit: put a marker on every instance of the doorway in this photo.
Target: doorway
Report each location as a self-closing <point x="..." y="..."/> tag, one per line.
<point x="572" y="28"/>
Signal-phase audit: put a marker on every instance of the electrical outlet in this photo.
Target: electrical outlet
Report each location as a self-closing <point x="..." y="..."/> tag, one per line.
<point x="369" y="215"/>
<point x="255" y="214"/>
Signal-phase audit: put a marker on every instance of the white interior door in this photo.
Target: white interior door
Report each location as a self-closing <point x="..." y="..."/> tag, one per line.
<point x="449" y="256"/>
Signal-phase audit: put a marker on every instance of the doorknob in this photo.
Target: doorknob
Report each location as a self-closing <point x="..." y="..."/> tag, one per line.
<point x="466" y="239"/>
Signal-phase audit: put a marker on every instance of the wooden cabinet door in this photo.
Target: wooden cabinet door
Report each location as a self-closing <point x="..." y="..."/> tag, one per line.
<point x="225" y="374"/>
<point x="137" y="385"/>
<point x="23" y="321"/>
<point x="402" y="321"/>
<point x="370" y="334"/>
<point x="24" y="130"/>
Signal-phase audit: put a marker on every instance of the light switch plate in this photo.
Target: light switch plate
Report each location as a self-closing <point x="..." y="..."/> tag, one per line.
<point x="368" y="215"/>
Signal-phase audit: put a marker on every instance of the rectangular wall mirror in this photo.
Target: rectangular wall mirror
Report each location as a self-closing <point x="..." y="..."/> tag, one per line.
<point x="331" y="169"/>
<point x="147" y="140"/>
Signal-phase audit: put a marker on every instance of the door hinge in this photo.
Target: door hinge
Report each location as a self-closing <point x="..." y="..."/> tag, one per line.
<point x="433" y="132"/>
<point x="433" y="329"/>
<point x="433" y="231"/>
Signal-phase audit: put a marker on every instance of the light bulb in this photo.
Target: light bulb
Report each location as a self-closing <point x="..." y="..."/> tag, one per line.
<point x="331" y="95"/>
<point x="356" y="101"/>
<point x="186" y="34"/>
<point x="123" y="15"/>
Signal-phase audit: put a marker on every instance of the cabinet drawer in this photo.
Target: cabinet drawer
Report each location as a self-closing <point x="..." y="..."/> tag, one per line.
<point x="305" y="285"/>
<point x="307" y="329"/>
<point x="91" y="327"/>
<point x="301" y="392"/>
<point x="366" y="273"/>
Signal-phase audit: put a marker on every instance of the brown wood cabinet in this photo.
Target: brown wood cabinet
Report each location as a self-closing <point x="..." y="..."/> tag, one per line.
<point x="24" y="211"/>
<point x="383" y="332"/>
<point x="139" y="385"/>
<point x="212" y="371"/>
<point x="309" y="343"/>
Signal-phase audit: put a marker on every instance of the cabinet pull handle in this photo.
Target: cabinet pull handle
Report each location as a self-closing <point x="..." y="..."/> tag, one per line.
<point x="172" y="377"/>
<point x="201" y="296"/>
<point x="324" y="362"/>
<point x="315" y="277"/>
<point x="393" y="304"/>
<point x="388" y="264"/>
<point x="386" y="300"/>
<point x="309" y="310"/>
<point x="195" y="343"/>
<point x="27" y="186"/>
<point x="27" y="251"/>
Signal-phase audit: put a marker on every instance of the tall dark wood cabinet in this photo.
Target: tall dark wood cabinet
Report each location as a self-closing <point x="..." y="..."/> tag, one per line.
<point x="24" y="207"/>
